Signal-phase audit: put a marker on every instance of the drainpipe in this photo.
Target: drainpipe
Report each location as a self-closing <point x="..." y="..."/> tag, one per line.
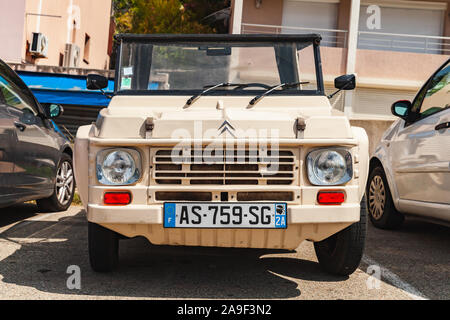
<point x="237" y="16"/>
<point x="69" y="21"/>
<point x="38" y="19"/>
<point x="351" y="51"/>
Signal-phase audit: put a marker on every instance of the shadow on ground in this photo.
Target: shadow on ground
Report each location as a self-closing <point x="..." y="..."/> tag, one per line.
<point x="17" y="213"/>
<point x="48" y="248"/>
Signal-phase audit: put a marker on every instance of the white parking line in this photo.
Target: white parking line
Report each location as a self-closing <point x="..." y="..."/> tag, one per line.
<point x="56" y="224"/>
<point x="41" y="216"/>
<point x="395" y="280"/>
<point x="26" y="222"/>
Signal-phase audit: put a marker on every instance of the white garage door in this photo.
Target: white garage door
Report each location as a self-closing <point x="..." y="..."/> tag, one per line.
<point x="370" y="102"/>
<point x="311" y="17"/>
<point x="402" y="20"/>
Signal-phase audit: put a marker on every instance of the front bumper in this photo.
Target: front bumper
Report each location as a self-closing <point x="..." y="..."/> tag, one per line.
<point x="307" y="220"/>
<point x="304" y="223"/>
<point x="153" y="214"/>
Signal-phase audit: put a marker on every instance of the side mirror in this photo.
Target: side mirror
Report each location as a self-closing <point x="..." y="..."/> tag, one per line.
<point x="345" y="82"/>
<point x="401" y="109"/>
<point x="53" y="110"/>
<point x="96" y="82"/>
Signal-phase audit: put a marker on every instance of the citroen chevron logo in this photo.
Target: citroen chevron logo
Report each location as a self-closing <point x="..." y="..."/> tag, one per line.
<point x="226" y="126"/>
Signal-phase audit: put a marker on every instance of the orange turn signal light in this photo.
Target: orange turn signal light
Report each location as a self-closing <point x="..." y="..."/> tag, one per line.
<point x="118" y="198"/>
<point x="330" y="197"/>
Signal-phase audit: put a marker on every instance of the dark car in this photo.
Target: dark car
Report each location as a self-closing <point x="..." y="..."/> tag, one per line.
<point x="35" y="159"/>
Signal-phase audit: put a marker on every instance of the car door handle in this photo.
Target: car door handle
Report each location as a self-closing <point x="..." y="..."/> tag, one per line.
<point x="443" y="125"/>
<point x="20" y="125"/>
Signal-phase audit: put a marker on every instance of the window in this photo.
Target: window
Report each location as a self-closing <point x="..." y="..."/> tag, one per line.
<point x="312" y="17"/>
<point x="192" y="65"/>
<point x="87" y="47"/>
<point x="13" y="98"/>
<point x="436" y="95"/>
<point x="14" y="92"/>
<point x="74" y="31"/>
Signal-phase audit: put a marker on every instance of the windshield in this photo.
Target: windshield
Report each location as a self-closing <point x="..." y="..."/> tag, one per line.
<point x="192" y="66"/>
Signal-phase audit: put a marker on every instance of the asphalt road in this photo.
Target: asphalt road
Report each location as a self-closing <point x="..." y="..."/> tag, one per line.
<point x="36" y="250"/>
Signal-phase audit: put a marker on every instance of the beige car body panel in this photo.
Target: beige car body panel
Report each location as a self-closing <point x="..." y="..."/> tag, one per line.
<point x="122" y="124"/>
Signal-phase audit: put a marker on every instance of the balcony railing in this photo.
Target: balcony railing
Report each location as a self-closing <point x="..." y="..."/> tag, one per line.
<point x="330" y="37"/>
<point x="366" y="40"/>
<point x="403" y="42"/>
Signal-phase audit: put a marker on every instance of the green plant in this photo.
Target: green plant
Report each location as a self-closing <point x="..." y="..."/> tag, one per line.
<point x="76" y="200"/>
<point x="156" y="16"/>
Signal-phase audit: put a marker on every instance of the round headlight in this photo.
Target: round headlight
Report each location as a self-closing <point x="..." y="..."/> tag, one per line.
<point x="117" y="167"/>
<point x="329" y="167"/>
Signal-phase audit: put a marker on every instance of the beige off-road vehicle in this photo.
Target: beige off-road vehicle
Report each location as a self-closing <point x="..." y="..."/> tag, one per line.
<point x="223" y="141"/>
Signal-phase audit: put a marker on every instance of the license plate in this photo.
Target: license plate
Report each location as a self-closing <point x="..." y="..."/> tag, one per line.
<point x="225" y="215"/>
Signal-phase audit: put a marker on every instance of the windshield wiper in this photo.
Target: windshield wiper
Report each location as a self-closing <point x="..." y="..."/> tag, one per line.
<point x="283" y="86"/>
<point x="192" y="99"/>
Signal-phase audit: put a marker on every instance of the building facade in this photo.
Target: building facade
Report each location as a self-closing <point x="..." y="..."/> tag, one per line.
<point x="62" y="33"/>
<point x="392" y="46"/>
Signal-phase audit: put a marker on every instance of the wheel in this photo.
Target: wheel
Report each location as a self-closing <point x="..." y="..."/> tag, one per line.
<point x="64" y="189"/>
<point x="381" y="208"/>
<point x="341" y="253"/>
<point x="103" y="248"/>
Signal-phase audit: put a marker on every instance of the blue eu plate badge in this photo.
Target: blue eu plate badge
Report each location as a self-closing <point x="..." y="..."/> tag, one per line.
<point x="280" y="215"/>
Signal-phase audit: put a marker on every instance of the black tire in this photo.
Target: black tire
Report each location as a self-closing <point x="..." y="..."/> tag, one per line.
<point x="103" y="248"/>
<point x="341" y="253"/>
<point x="386" y="217"/>
<point x="52" y="203"/>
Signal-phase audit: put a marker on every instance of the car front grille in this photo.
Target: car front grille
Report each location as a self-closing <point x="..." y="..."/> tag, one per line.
<point x="239" y="167"/>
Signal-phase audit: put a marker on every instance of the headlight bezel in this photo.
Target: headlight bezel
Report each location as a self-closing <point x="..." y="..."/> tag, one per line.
<point x="316" y="153"/>
<point x="135" y="177"/>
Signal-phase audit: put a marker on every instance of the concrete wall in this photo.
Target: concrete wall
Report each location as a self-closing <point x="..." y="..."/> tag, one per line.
<point x="20" y="18"/>
<point x="55" y="69"/>
<point x="375" y="130"/>
<point x="409" y="69"/>
<point x="91" y="17"/>
<point x="270" y="12"/>
<point x="12" y="22"/>
<point x="375" y="68"/>
<point x="333" y="63"/>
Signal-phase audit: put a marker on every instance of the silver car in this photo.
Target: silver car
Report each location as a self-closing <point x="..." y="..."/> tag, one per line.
<point x="410" y="168"/>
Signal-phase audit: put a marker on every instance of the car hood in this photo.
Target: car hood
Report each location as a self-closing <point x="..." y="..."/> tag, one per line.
<point x="218" y="116"/>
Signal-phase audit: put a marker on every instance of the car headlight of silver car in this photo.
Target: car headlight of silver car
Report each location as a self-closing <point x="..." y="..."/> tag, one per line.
<point x="329" y="166"/>
<point x="118" y="166"/>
